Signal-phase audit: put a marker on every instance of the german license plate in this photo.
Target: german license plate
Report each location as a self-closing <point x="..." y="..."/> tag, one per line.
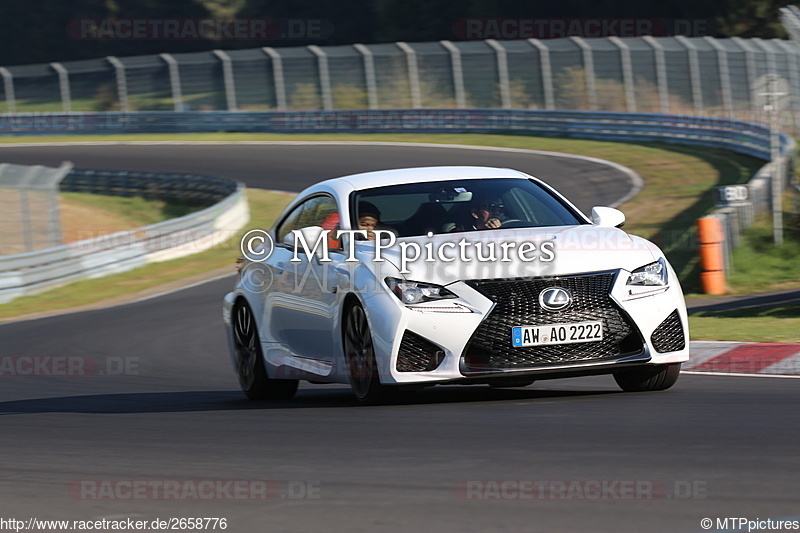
<point x="522" y="336"/>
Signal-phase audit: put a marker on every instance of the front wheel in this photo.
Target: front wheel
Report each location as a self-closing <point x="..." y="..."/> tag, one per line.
<point x="250" y="369"/>
<point x="650" y="378"/>
<point x="359" y="352"/>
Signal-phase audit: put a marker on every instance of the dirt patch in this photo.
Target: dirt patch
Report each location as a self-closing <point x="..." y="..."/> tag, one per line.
<point x="80" y="221"/>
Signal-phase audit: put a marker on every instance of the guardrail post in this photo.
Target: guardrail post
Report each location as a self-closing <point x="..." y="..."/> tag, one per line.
<point x="369" y="75"/>
<point x="122" y="82"/>
<point x="277" y="75"/>
<point x="174" y="80"/>
<point x="694" y="72"/>
<point x="661" y="72"/>
<point x="8" y="86"/>
<point x="63" y="85"/>
<point x="502" y="73"/>
<point x="413" y="74"/>
<point x="588" y="69"/>
<point x="627" y="73"/>
<point x="227" y="77"/>
<point x="324" y="76"/>
<point x="546" y="72"/>
<point x="751" y="67"/>
<point x="724" y="74"/>
<point x="458" y="73"/>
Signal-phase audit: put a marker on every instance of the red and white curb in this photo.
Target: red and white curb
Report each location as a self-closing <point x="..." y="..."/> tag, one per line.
<point x="743" y="358"/>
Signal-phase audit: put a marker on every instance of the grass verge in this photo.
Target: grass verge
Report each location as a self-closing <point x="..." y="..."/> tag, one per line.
<point x="763" y="324"/>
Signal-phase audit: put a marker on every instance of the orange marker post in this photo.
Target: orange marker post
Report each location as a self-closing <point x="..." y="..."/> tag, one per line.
<point x="710" y="238"/>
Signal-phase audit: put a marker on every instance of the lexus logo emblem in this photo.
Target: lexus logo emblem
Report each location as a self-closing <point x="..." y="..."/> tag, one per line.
<point x="555" y="299"/>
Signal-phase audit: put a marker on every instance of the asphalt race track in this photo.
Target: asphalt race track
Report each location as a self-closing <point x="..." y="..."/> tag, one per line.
<point x="160" y="406"/>
<point x="292" y="167"/>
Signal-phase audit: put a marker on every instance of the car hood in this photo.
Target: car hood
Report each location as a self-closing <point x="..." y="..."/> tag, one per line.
<point x="558" y="251"/>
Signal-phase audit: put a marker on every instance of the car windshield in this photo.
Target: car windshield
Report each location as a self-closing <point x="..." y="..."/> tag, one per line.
<point x="436" y="207"/>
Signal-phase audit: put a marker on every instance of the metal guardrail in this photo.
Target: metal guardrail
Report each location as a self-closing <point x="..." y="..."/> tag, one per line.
<point x="718" y="132"/>
<point x="29" y="273"/>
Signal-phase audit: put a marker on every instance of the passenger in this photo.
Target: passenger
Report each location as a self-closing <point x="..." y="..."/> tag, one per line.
<point x="369" y="218"/>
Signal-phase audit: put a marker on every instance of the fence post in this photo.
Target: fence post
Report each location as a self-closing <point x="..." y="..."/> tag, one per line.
<point x="63" y="85"/>
<point x="627" y="73"/>
<point x="502" y="73"/>
<point x="458" y="73"/>
<point x="324" y="77"/>
<point x="122" y="82"/>
<point x="724" y="74"/>
<point x="413" y="74"/>
<point x="694" y="72"/>
<point x="546" y="71"/>
<point x="751" y="67"/>
<point x="588" y="69"/>
<point x="369" y="75"/>
<point x="277" y="75"/>
<point x="791" y="63"/>
<point x="227" y="77"/>
<point x="661" y="72"/>
<point x="174" y="80"/>
<point x="8" y="86"/>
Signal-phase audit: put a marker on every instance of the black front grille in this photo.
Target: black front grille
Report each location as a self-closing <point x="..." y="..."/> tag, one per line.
<point x="418" y="354"/>
<point x="668" y="336"/>
<point x="517" y="304"/>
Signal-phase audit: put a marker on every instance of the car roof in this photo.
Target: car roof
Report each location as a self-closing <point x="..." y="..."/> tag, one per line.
<point x="380" y="178"/>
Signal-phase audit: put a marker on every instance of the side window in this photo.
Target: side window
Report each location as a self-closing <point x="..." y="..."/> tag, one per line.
<point x="317" y="211"/>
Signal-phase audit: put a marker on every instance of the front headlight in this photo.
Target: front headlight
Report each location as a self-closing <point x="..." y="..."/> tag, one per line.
<point x="414" y="292"/>
<point x="652" y="274"/>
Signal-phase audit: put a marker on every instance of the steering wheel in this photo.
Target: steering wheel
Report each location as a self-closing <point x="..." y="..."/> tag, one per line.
<point x="514" y="223"/>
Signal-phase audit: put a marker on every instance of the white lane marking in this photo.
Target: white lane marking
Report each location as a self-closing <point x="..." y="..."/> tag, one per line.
<point x="737" y="375"/>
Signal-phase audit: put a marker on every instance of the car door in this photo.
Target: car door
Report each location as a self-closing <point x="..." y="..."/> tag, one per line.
<point x="300" y="308"/>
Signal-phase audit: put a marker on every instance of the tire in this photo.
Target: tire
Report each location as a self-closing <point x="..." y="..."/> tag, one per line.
<point x="250" y="368"/>
<point x="651" y="378"/>
<point x="362" y="367"/>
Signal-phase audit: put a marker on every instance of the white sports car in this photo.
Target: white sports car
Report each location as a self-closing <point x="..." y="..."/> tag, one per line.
<point x="401" y="279"/>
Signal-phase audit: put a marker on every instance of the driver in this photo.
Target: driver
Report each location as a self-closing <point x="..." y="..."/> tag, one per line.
<point x="485" y="212"/>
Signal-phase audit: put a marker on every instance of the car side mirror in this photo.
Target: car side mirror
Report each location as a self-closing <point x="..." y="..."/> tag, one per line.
<point x="310" y="234"/>
<point x="608" y="217"/>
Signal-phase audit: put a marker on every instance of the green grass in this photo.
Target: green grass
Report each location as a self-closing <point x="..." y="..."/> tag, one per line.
<point x="760" y="265"/>
<point x="763" y="324"/>
<point x="137" y="210"/>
